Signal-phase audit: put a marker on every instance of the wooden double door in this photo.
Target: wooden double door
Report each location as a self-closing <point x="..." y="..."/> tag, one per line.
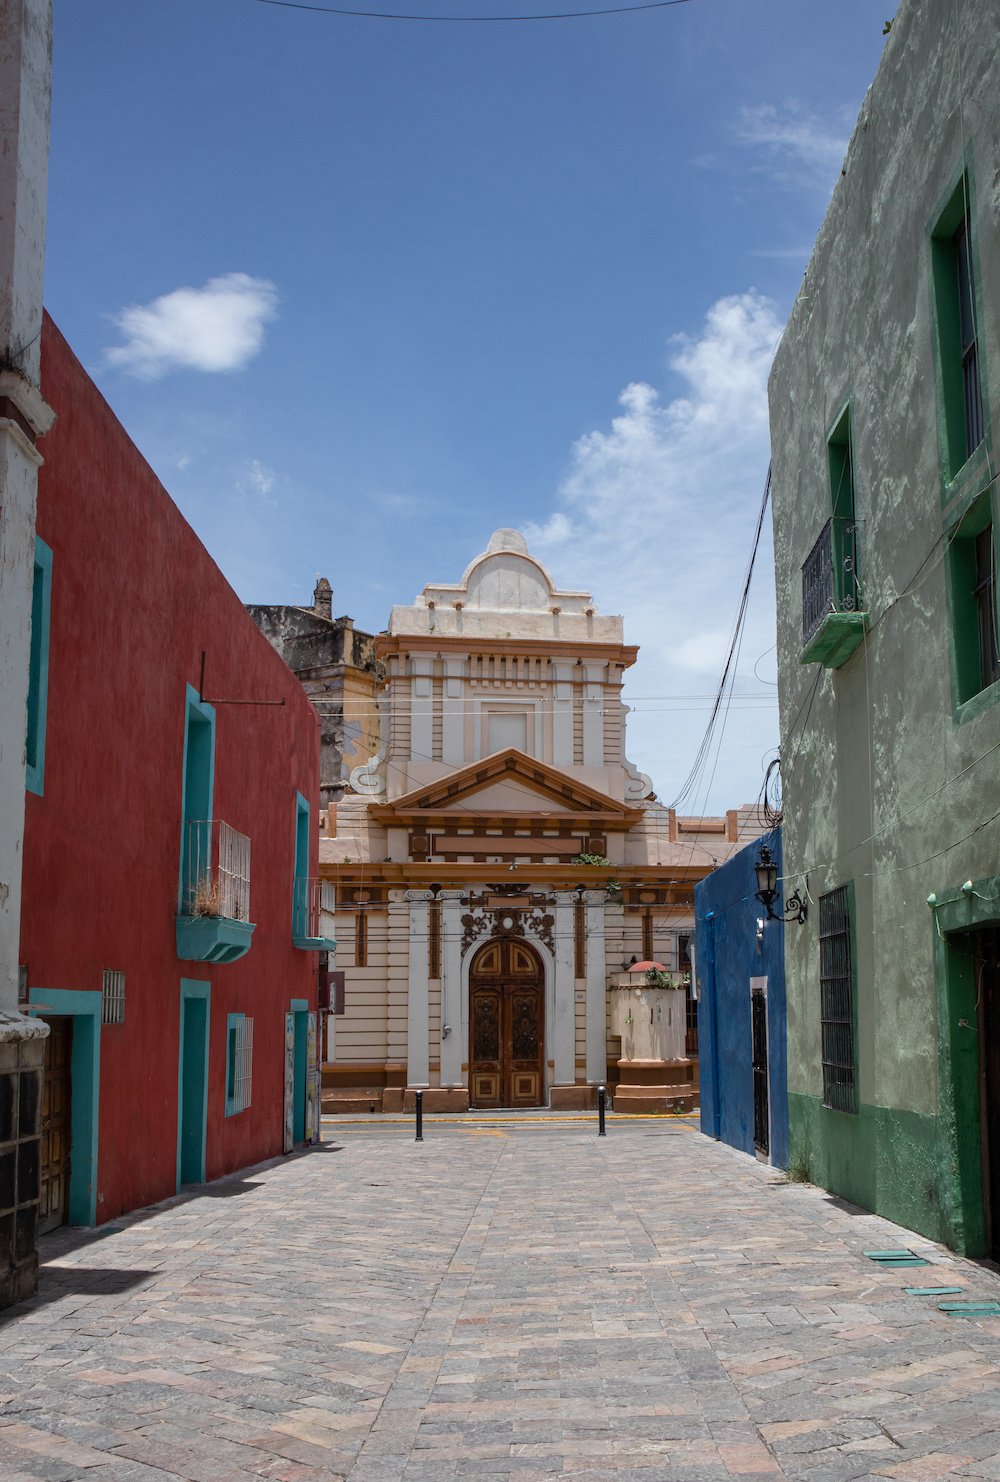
<point x="53" y="1184"/>
<point x="506" y="1026"/>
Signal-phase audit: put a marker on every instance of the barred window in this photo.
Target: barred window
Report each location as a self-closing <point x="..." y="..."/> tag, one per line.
<point x="836" y="979"/>
<point x="239" y="1064"/>
<point x="112" y="997"/>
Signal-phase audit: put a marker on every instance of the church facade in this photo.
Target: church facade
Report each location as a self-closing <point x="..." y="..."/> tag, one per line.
<point x="499" y="861"/>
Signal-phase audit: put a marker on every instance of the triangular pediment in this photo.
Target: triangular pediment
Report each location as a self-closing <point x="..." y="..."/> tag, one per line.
<point x="509" y="783"/>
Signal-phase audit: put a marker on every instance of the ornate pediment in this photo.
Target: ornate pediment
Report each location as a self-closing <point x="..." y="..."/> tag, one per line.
<point x="509" y="785"/>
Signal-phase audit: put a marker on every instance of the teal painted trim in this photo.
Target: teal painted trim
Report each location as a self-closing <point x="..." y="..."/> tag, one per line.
<point x="217" y="939"/>
<point x="301" y="1016"/>
<point x="38" y="669"/>
<point x="197" y="772"/>
<point x="298" y="1005"/>
<point x="315" y="944"/>
<point x="233" y="1021"/>
<point x="84" y="1008"/>
<point x="835" y="640"/>
<point x="192" y="1080"/>
<point x="300" y="884"/>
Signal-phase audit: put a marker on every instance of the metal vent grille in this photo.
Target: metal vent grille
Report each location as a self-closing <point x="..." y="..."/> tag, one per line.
<point x="113" y="997"/>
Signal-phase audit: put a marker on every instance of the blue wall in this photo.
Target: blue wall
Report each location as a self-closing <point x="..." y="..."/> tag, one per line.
<point x="727" y="956"/>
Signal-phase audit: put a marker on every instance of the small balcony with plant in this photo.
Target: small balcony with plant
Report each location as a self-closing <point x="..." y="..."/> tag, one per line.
<point x="833" y="623"/>
<point x="314" y="903"/>
<point x="213" y="924"/>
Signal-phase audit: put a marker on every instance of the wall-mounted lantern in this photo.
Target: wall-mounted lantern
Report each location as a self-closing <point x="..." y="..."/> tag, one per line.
<point x="766" y="870"/>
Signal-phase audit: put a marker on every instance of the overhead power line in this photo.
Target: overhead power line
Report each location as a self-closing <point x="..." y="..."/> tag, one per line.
<point x="386" y="15"/>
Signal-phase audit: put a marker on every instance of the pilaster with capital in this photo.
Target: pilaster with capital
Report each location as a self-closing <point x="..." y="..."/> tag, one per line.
<point x="454" y="1011"/>
<point x="417" y="993"/>
<point x="562" y="1033"/>
<point x="597" y="1034"/>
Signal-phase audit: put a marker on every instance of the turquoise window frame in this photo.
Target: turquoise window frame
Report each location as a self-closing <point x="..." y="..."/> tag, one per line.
<point x="38" y="669"/>
<point x="197" y="774"/>
<point x="232" y="1022"/>
<point x="84" y="1008"/>
<point x="300" y="910"/>
<point x="193" y="989"/>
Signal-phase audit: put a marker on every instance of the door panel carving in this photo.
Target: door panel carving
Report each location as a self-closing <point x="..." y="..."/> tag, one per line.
<point x="507" y="1028"/>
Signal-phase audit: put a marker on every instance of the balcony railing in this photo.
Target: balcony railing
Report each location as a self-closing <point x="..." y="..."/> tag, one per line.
<point x="314" y="903"/>
<point x="216" y="871"/>
<point x="213" y="924"/>
<point x="830" y="587"/>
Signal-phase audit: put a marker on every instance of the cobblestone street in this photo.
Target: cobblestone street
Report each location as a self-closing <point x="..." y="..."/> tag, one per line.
<point x="515" y="1300"/>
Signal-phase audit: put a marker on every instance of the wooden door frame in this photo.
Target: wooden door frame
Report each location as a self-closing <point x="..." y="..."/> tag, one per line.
<point x="541" y="982"/>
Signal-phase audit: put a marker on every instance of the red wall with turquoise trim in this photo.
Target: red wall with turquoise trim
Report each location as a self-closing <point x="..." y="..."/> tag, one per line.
<point x="136" y="599"/>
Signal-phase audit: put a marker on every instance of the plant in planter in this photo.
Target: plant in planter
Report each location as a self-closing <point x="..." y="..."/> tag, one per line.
<point x="207" y="897"/>
<point x="600" y="862"/>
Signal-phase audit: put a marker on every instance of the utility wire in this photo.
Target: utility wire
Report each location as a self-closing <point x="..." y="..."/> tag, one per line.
<point x="386" y="15"/>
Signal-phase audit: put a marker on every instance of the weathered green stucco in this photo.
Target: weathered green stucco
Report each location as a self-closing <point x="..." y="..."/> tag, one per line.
<point x="888" y="761"/>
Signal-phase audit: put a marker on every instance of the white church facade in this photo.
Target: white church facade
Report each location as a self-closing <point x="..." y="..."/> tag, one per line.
<point x="499" y="862"/>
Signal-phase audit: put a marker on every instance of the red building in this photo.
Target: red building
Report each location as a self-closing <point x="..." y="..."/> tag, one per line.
<point x="171" y="913"/>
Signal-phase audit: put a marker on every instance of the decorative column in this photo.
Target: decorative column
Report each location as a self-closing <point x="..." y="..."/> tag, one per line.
<point x="562" y="713"/>
<point x="593" y="714"/>
<point x="417" y="995"/>
<point x="454" y="1009"/>
<point x="597" y="1037"/>
<point x="562" y="1034"/>
<point x="422" y="708"/>
<point x="453" y="710"/>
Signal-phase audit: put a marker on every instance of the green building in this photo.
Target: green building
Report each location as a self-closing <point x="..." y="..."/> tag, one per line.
<point x="884" y="410"/>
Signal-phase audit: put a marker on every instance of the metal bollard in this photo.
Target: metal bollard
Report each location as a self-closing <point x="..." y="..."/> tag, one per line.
<point x="419" y="1099"/>
<point x="602" y="1097"/>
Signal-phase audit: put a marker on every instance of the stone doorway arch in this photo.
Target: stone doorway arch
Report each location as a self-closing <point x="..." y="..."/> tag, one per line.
<point x="506" y="1025"/>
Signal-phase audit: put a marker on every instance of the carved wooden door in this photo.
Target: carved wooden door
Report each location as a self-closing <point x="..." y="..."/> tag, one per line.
<point x="506" y="1026"/>
<point x="53" y="1185"/>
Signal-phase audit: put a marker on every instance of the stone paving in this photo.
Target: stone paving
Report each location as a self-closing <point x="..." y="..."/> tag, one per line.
<point x="509" y="1299"/>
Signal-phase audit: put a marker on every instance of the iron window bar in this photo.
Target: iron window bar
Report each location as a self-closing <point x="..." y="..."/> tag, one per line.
<point x="829" y="582"/>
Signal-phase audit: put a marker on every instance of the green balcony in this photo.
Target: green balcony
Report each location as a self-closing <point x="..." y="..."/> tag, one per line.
<point x="833" y="624"/>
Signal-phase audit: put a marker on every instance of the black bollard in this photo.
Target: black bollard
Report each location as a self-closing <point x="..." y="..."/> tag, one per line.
<point x="419" y="1099"/>
<point x="602" y="1097"/>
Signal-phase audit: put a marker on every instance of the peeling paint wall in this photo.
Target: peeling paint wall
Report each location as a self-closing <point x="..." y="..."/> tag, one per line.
<point x="888" y="780"/>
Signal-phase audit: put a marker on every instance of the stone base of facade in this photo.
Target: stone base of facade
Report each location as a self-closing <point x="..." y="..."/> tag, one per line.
<point x="22" y="1056"/>
<point x="655" y="1086"/>
<point x="436" y="1099"/>
<point x="573" y="1098"/>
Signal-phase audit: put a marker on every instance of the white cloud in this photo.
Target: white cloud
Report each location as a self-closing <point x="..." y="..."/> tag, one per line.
<point x="257" y="483"/>
<point x="216" y="328"/>
<point x="791" y="140"/>
<point x="658" y="512"/>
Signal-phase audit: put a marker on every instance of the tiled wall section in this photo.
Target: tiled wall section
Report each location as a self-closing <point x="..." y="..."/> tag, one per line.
<point x="20" y="1128"/>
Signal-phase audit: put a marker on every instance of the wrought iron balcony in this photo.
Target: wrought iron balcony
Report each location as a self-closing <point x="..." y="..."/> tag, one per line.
<point x="313" y="905"/>
<point x="833" y="623"/>
<point x="213" y="924"/>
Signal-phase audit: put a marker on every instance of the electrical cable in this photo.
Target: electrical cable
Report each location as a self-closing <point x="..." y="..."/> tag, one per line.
<point x="384" y="15"/>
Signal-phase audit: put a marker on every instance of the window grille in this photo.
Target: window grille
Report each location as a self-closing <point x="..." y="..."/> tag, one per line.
<point x="434" y="940"/>
<point x="971" y="388"/>
<point x="112" y="997"/>
<point x="360" y="938"/>
<point x="239" y="1070"/>
<point x="837" y="1001"/>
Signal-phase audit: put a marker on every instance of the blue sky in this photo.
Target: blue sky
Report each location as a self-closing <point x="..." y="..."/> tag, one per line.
<point x="363" y="291"/>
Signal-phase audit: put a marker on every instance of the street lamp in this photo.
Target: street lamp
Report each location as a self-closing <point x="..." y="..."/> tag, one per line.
<point x="766" y="871"/>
